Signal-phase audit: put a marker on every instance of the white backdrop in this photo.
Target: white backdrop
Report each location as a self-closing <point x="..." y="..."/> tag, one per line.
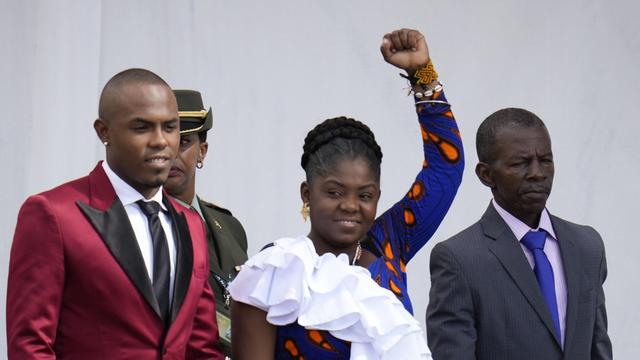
<point x="273" y="69"/>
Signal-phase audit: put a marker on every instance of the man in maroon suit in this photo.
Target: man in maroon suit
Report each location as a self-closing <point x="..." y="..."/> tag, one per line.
<point x="108" y="266"/>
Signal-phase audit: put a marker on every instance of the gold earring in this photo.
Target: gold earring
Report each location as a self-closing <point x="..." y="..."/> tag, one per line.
<point x="305" y="210"/>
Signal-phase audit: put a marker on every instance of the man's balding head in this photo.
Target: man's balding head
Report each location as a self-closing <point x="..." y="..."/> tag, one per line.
<point x="499" y="120"/>
<point x="113" y="89"/>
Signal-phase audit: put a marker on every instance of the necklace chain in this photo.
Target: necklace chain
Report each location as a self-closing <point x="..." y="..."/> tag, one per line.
<point x="356" y="256"/>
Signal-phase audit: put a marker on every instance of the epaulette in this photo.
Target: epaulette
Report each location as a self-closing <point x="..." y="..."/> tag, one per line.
<point x="216" y="207"/>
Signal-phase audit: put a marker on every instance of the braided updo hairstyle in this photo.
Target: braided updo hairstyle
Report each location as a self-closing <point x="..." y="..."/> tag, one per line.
<point x="338" y="139"/>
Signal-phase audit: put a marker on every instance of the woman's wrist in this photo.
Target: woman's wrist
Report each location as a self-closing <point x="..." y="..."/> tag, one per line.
<point x="423" y="92"/>
<point x="423" y="81"/>
<point x="422" y="75"/>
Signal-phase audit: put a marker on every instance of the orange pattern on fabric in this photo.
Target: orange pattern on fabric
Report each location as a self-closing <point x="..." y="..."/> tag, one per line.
<point x="394" y="288"/>
<point x="403" y="266"/>
<point x="448" y="114"/>
<point x="424" y="133"/>
<point x="388" y="251"/>
<point x="292" y="349"/>
<point x="448" y="149"/>
<point x="417" y="190"/>
<point x="391" y="268"/>
<point x="318" y="338"/>
<point x="409" y="217"/>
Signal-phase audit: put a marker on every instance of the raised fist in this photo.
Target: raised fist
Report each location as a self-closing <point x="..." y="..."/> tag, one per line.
<point x="406" y="49"/>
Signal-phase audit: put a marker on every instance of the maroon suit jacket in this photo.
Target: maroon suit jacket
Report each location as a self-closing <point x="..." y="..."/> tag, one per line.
<point x="78" y="287"/>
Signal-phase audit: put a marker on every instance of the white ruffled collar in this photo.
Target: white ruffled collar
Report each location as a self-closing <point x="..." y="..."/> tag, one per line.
<point x="290" y="282"/>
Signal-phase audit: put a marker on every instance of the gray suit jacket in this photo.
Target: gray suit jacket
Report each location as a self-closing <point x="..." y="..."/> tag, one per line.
<point x="485" y="302"/>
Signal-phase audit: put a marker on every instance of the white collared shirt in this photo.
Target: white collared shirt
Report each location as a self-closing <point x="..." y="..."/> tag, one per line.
<point x="140" y="224"/>
<point x="551" y="249"/>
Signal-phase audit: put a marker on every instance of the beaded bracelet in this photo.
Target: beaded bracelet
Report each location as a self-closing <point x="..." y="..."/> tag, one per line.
<point x="427" y="93"/>
<point x="422" y="78"/>
<point x="425" y="75"/>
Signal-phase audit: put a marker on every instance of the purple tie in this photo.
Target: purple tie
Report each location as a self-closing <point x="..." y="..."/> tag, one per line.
<point x="534" y="241"/>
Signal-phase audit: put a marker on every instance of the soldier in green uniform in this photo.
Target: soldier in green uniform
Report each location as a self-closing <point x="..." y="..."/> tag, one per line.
<point x="226" y="239"/>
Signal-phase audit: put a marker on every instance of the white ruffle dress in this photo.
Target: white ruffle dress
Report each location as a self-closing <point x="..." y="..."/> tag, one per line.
<point x="291" y="282"/>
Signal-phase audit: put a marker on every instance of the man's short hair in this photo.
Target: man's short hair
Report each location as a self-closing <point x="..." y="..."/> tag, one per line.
<point x="501" y="119"/>
<point x="120" y="80"/>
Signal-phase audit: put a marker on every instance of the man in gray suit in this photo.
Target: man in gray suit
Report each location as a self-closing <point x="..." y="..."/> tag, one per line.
<point x="520" y="283"/>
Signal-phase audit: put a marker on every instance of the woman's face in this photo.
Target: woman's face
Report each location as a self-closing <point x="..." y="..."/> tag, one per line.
<point x="342" y="205"/>
<point x="182" y="177"/>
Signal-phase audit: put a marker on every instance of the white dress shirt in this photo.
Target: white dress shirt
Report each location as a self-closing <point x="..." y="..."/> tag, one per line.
<point x="551" y="249"/>
<point x="140" y="224"/>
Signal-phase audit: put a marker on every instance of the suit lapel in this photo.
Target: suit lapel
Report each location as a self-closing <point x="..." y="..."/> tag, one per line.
<point x="110" y="220"/>
<point x="184" y="257"/>
<point x="571" y="264"/>
<point x="506" y="248"/>
<point x="115" y="230"/>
